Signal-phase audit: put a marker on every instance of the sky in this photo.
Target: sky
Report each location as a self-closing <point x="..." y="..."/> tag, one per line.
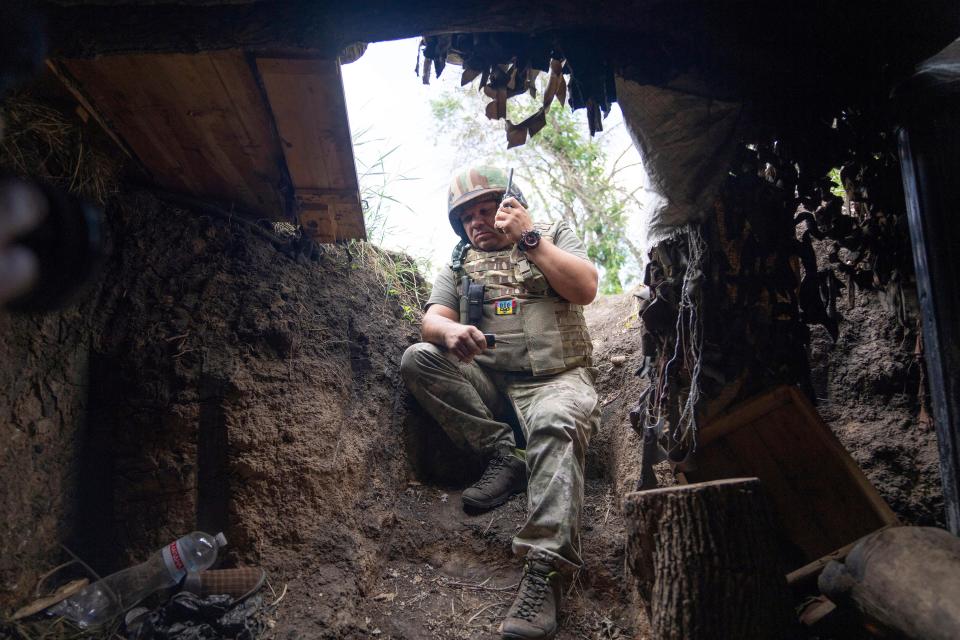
<point x="389" y="112"/>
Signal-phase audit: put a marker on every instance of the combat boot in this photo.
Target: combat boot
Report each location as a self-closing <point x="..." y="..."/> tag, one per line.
<point x="505" y="475"/>
<point x="533" y="615"/>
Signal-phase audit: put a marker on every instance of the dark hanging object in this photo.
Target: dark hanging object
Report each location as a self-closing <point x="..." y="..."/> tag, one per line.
<point x="507" y="65"/>
<point x="592" y="84"/>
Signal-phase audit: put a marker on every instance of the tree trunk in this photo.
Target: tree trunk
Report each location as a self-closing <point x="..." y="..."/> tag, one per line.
<point x="904" y="578"/>
<point x="706" y="563"/>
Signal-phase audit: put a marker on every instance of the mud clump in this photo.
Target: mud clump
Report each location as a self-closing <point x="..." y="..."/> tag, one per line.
<point x="867" y="388"/>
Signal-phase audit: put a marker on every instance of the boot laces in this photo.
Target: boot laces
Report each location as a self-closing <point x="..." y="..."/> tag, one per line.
<point x="533" y="592"/>
<point x="491" y="471"/>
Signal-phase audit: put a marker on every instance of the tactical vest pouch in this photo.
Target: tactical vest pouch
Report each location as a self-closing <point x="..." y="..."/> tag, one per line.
<point x="471" y="302"/>
<point x="528" y="275"/>
<point x="464" y="300"/>
<point x="475" y="304"/>
<point x="542" y="334"/>
<point x="511" y="351"/>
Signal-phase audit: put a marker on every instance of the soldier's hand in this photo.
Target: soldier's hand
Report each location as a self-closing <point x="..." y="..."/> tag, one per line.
<point x="512" y="219"/>
<point x="465" y="341"/>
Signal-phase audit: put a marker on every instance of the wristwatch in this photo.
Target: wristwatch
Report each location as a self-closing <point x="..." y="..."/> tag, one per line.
<point x="529" y="240"/>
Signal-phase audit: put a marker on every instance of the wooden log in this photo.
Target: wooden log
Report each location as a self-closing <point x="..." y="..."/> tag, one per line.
<point x="803" y="581"/>
<point x="706" y="563"/>
<point x="906" y="579"/>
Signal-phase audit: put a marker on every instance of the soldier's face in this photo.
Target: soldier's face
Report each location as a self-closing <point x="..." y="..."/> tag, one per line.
<point x="478" y="221"/>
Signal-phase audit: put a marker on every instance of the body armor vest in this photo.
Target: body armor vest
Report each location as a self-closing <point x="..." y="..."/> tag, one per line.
<point x="537" y="330"/>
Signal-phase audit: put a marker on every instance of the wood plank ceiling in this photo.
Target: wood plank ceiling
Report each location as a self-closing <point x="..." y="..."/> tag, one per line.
<point x="306" y="97"/>
<point x="269" y="137"/>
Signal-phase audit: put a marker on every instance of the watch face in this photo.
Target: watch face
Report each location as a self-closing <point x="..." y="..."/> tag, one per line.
<point x="529" y="240"/>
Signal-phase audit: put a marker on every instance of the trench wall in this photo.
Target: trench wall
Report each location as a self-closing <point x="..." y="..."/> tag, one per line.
<point x="215" y="378"/>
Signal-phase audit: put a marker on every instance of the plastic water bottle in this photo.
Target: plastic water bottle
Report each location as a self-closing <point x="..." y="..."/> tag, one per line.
<point x="104" y="600"/>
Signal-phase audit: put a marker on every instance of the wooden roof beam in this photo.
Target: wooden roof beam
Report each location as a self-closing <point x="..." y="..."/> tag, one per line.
<point x="285" y="26"/>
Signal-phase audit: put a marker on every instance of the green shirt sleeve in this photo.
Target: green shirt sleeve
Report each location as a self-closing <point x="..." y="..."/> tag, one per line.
<point x="445" y="290"/>
<point x="567" y="240"/>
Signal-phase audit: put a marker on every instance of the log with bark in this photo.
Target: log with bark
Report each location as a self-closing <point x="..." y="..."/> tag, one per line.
<point x="705" y="559"/>
<point x="906" y="579"/>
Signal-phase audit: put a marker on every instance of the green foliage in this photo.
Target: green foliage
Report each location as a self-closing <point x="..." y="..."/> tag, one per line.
<point x="572" y="182"/>
<point x="399" y="276"/>
<point x="837" y="188"/>
<point x="375" y="182"/>
<point x="564" y="173"/>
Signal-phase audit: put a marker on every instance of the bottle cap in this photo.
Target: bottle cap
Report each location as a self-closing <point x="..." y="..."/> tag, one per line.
<point x="221" y="540"/>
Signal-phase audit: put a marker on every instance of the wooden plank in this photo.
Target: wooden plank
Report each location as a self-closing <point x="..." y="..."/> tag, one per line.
<point x="823" y="510"/>
<point x="91" y="30"/>
<point x="791" y="501"/>
<point x="814" y="613"/>
<point x="198" y="123"/>
<point x="77" y="92"/>
<point x="818" y="493"/>
<point x="309" y="107"/>
<point x="306" y="97"/>
<point x="330" y="217"/>
<point x="742" y="415"/>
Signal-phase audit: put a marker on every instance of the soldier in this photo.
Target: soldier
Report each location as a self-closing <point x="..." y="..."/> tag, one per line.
<point x="525" y="283"/>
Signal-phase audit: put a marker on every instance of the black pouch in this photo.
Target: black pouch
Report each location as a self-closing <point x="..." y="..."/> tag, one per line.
<point x="473" y="296"/>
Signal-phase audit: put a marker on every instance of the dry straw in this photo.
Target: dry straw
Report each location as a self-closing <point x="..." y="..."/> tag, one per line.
<point x="43" y="142"/>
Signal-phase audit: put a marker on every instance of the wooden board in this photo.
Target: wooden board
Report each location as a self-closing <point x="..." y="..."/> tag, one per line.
<point x="307" y="100"/>
<point x="818" y="493"/>
<point x="198" y="123"/>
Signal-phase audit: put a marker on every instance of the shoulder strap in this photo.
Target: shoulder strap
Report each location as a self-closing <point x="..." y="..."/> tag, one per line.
<point x="459" y="253"/>
<point x="549" y="230"/>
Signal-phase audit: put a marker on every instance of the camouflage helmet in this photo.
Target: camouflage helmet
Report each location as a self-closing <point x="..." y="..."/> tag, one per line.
<point x="473" y="184"/>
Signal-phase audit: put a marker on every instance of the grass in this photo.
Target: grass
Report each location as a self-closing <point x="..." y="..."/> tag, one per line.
<point x="376" y="181"/>
<point x="399" y="276"/>
<point x="46" y="144"/>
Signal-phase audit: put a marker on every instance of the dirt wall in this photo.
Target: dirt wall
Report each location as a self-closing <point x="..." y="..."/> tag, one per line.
<point x="868" y="391"/>
<point x="216" y="381"/>
<point x="43" y="406"/>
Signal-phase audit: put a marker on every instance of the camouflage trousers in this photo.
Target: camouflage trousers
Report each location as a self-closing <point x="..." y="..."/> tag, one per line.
<point x="558" y="414"/>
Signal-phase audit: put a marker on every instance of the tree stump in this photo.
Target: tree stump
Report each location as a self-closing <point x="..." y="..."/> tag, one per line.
<point x="706" y="563"/>
<point x="907" y="579"/>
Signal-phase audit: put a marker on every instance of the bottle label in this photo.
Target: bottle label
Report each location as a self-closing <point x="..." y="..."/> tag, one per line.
<point x="173" y="560"/>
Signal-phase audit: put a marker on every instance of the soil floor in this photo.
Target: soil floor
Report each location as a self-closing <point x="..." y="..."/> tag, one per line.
<point x="446" y="574"/>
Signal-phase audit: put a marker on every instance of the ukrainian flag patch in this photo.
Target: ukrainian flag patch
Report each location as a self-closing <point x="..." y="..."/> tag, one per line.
<point x="505" y="307"/>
